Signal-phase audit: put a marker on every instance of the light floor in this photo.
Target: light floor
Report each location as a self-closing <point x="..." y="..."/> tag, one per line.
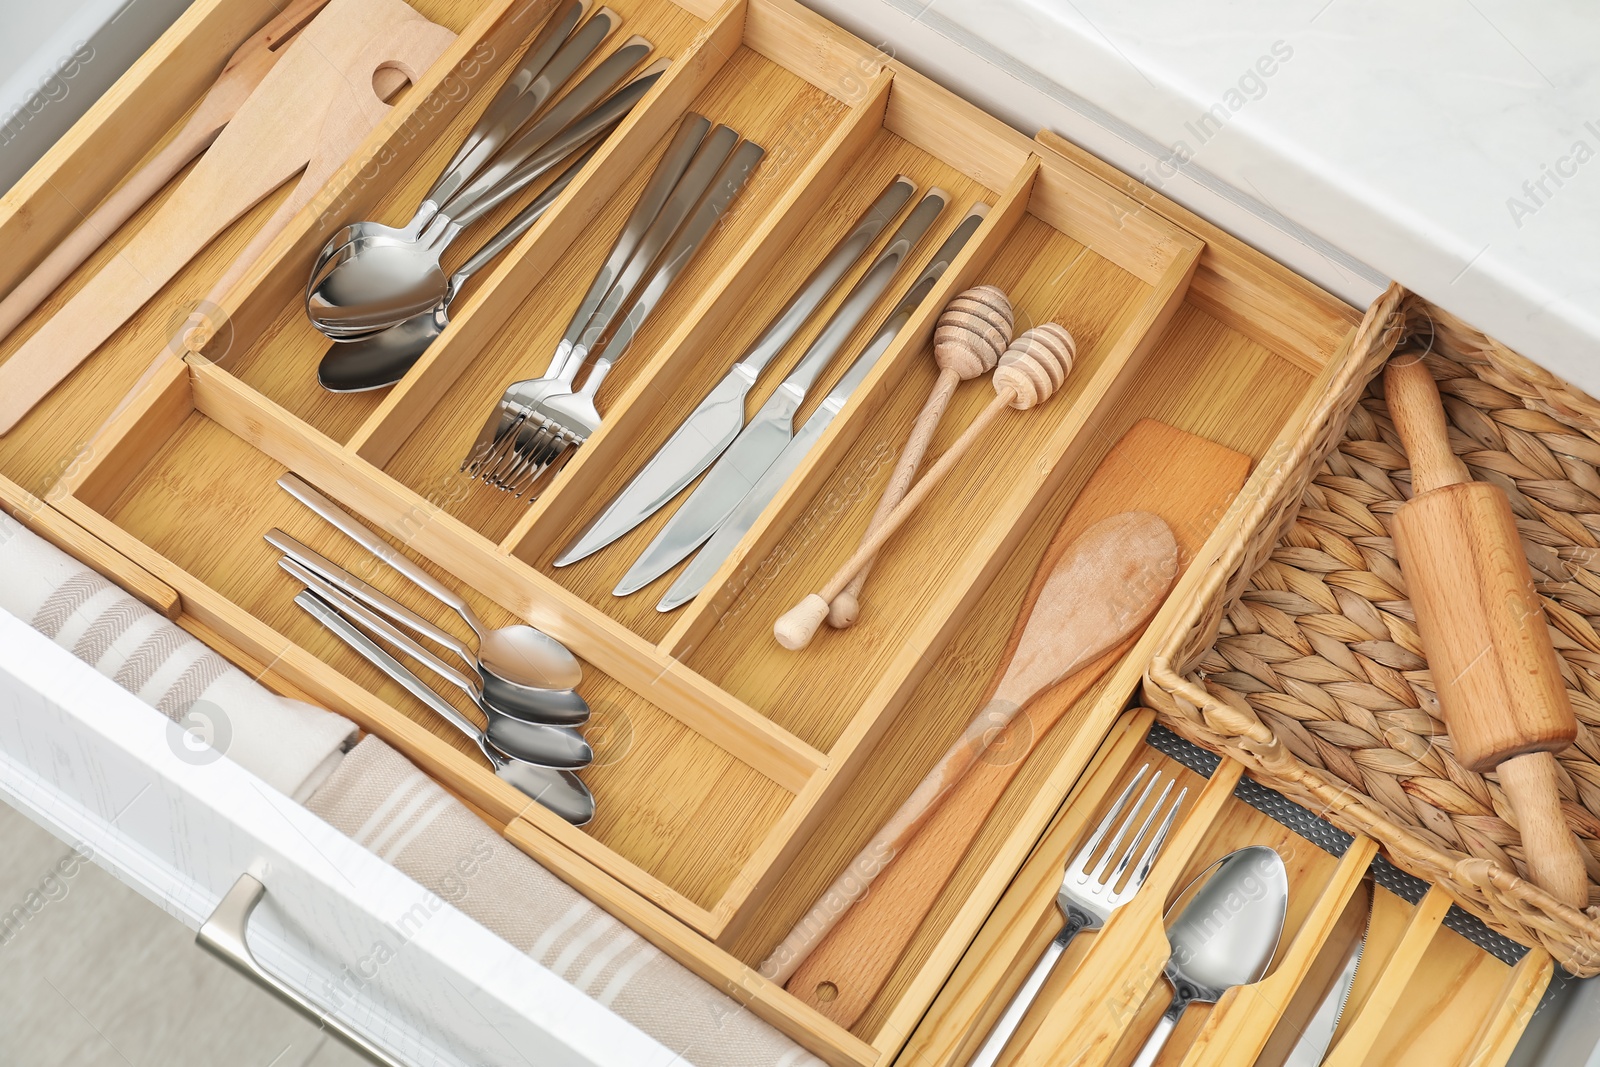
<point x="100" y="977"/>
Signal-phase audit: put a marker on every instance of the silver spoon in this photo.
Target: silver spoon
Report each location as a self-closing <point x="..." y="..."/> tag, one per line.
<point x="517" y="653"/>
<point x="539" y="743"/>
<point x="1225" y="936"/>
<point x="380" y="281"/>
<point x="561" y="791"/>
<point x="553" y="57"/>
<point x="555" y="707"/>
<point x="383" y="358"/>
<point x="384" y="278"/>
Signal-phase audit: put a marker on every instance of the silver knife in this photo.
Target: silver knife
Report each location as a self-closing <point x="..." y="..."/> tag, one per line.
<point x="1312" y="1047"/>
<point x="753" y="451"/>
<point x="711" y="428"/>
<point x="733" y="529"/>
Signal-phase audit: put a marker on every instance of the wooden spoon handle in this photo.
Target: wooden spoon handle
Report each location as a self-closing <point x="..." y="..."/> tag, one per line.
<point x="1552" y="853"/>
<point x="846" y="607"/>
<point x="243" y="72"/>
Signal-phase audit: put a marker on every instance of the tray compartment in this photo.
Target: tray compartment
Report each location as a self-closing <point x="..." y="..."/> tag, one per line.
<point x="586" y="489"/>
<point x="280" y="360"/>
<point x="691" y="835"/>
<point x="763" y="101"/>
<point x="130" y="124"/>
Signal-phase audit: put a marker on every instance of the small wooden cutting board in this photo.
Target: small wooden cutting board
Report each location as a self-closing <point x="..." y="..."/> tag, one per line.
<point x="1186" y="480"/>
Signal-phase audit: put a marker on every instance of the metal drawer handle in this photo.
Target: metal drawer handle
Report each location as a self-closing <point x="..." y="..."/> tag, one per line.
<point x="223" y="935"/>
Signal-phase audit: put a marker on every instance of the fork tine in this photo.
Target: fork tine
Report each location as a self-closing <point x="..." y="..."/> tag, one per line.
<point x="1085" y="853"/>
<point x="1133" y="842"/>
<point x="1142" y="871"/>
<point x="1122" y="830"/>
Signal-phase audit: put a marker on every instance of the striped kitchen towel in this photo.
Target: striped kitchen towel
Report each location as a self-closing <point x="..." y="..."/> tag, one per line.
<point x="382" y="801"/>
<point x="216" y="709"/>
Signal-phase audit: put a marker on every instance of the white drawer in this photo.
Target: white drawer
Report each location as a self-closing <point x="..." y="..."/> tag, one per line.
<point x="93" y="764"/>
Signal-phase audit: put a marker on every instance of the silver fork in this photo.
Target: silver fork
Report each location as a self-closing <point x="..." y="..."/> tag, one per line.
<point x="520" y="396"/>
<point x="1087" y="898"/>
<point x="568" y="419"/>
<point x="530" y="425"/>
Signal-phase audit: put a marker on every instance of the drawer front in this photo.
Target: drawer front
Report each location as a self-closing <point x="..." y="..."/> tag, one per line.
<point x="90" y="762"/>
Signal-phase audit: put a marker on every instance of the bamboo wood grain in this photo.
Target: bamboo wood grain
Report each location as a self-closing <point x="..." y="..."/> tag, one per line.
<point x="244" y="70"/>
<point x="1238" y="1028"/>
<point x="322" y="87"/>
<point x="1507" y="1019"/>
<point x="1207" y="378"/>
<point x="1483" y="627"/>
<point x="1190" y="485"/>
<point x="1366" y="1016"/>
<point x="972" y="334"/>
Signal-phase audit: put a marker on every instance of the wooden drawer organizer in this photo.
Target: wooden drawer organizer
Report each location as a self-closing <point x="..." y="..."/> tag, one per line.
<point x="734" y="778"/>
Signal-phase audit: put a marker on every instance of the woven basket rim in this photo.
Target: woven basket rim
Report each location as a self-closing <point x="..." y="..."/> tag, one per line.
<point x="1517" y="907"/>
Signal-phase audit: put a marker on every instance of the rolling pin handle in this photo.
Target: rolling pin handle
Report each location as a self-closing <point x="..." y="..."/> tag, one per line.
<point x="1418" y="414"/>
<point x="1551" y="850"/>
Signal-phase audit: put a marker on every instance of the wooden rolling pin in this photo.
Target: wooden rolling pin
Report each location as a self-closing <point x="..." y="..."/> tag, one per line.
<point x="1483" y="628"/>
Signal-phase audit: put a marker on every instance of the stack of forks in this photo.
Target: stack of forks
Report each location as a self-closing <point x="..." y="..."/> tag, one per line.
<point x="539" y="422"/>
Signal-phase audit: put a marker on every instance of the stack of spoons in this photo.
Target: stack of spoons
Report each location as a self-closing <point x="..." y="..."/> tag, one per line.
<point x="381" y="291"/>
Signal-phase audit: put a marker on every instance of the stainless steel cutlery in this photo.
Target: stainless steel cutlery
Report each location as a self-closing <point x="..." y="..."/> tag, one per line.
<point x="382" y="358"/>
<point x="517" y="653"/>
<point x="557" y="789"/>
<point x="769" y="431"/>
<point x="1087" y="897"/>
<point x="716" y="422"/>
<point x="539" y="421"/>
<point x="557" y="707"/>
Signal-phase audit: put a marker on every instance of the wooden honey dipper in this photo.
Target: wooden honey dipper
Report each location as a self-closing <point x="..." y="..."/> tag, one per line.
<point x="973" y="332"/>
<point x="1030" y="373"/>
<point x="1484" y="631"/>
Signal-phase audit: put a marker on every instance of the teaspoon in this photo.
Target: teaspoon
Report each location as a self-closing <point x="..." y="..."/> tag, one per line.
<point x="559" y="790"/>
<point x="517" y="653"/>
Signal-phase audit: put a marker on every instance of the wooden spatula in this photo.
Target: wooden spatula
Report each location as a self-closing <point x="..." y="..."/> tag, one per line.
<point x="1155" y="469"/>
<point x="316" y="103"/>
<point x="239" y="78"/>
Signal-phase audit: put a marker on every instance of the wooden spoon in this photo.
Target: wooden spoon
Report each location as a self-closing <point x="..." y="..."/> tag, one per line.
<point x="1189" y="482"/>
<point x="321" y="90"/>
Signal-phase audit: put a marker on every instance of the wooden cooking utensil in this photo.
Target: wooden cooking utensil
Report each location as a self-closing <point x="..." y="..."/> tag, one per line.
<point x="1483" y="628"/>
<point x="1029" y="373"/>
<point x="973" y="332"/>
<point x="239" y="78"/>
<point x="316" y="102"/>
<point x="1155" y="468"/>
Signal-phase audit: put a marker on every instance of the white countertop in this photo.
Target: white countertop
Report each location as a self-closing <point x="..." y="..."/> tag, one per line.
<point x="1453" y="145"/>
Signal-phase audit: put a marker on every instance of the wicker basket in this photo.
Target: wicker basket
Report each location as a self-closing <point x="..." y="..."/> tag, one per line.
<point x="1303" y="661"/>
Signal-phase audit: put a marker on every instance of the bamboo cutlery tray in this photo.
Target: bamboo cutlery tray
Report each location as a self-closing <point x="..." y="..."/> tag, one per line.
<point x="734" y="778"/>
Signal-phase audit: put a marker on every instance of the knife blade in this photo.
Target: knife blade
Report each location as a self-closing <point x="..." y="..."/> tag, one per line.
<point x="732" y="530"/>
<point x="1312" y="1047"/>
<point x="714" y="424"/>
<point x="759" y="443"/>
